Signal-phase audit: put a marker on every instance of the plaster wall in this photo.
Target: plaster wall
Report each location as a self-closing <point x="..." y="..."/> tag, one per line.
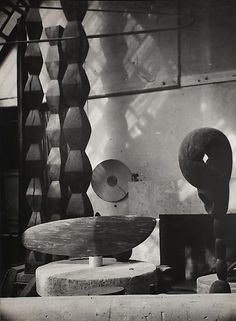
<point x="145" y="131"/>
<point x="147" y="138"/>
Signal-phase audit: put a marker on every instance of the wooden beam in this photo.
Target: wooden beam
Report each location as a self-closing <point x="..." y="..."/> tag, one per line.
<point x="194" y="307"/>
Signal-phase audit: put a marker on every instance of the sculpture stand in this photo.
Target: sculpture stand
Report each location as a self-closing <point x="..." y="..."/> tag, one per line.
<point x="76" y="277"/>
<point x="95" y="261"/>
<point x="204" y="283"/>
<point x="95" y="238"/>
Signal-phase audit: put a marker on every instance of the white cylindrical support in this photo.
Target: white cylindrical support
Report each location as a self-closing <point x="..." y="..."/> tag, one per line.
<point x="194" y="307"/>
<point x="95" y="261"/>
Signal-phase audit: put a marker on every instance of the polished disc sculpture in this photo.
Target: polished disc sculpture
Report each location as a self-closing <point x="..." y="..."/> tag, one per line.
<point x="205" y="159"/>
<point x="110" y="180"/>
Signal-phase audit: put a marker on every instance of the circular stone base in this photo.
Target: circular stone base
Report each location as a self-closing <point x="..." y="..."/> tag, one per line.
<point x="75" y="277"/>
<point x="204" y="283"/>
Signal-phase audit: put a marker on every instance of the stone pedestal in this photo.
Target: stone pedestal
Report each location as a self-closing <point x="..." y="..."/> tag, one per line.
<point x="75" y="277"/>
<point x="204" y="283"/>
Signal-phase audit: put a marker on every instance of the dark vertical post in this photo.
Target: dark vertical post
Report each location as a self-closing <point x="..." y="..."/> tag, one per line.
<point x="21" y="80"/>
<point x="34" y="160"/>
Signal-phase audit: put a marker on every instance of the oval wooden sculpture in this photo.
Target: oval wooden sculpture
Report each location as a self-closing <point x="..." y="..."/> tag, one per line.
<point x="89" y="236"/>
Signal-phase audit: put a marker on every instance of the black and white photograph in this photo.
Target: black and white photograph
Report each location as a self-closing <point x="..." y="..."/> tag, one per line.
<point x="117" y="160"/>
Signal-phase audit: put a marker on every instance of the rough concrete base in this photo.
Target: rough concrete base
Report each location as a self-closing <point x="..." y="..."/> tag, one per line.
<point x="194" y="307"/>
<point x="204" y="283"/>
<point x="74" y="277"/>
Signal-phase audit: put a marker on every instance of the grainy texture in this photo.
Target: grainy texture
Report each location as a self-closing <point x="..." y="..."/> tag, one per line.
<point x="54" y="130"/>
<point x="34" y="195"/>
<point x="33" y="93"/>
<point x="54" y="32"/>
<point x="53" y="95"/>
<point x="204" y="283"/>
<point x="205" y="159"/>
<point x="54" y="164"/>
<point x="34" y="158"/>
<point x="89" y="236"/>
<point x="76" y="126"/>
<point x="57" y="152"/>
<point x="33" y="59"/>
<point x="76" y="49"/>
<point x="194" y="307"/>
<point x="75" y="85"/>
<point x="79" y="205"/>
<point x="34" y="24"/>
<point x="75" y="277"/>
<point x="74" y="10"/>
<point x="33" y="126"/>
<point x="78" y="171"/>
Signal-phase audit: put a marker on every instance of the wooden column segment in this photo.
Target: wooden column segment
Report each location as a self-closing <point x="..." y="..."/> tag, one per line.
<point x="54" y="99"/>
<point x="34" y="159"/>
<point x="56" y="169"/>
<point x="76" y="126"/>
<point x="57" y="192"/>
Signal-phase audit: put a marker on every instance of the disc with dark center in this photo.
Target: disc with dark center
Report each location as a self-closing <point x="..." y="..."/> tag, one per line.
<point x="110" y="180"/>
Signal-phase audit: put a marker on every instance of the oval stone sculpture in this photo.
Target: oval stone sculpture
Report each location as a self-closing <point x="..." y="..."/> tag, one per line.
<point x="89" y="236"/>
<point x="210" y="177"/>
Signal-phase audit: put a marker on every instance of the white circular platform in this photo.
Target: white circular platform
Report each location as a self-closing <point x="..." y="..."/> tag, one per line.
<point x="74" y="277"/>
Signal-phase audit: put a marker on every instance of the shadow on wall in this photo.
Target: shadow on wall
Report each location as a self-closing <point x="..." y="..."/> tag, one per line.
<point x="125" y="63"/>
<point x="132" y="62"/>
<point x="145" y="131"/>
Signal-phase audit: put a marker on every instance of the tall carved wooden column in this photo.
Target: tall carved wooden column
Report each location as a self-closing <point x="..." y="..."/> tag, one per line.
<point x="76" y="126"/>
<point x="57" y="190"/>
<point x="33" y="136"/>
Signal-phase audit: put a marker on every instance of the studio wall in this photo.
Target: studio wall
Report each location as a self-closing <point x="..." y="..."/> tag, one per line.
<point x="187" y="75"/>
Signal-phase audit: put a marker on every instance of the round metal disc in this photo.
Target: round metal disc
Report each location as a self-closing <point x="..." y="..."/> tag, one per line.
<point x="110" y="180"/>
